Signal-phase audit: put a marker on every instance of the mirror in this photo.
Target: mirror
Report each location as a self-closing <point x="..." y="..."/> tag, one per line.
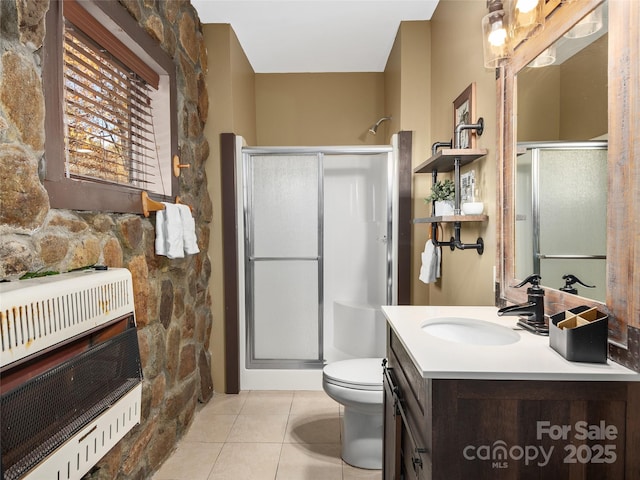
<point x="623" y="169"/>
<point x="561" y="171"/>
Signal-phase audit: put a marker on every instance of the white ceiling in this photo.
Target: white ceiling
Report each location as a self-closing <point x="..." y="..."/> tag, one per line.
<point x="297" y="36"/>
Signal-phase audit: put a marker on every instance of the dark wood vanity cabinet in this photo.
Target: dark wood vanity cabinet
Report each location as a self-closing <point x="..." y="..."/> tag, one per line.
<point x="406" y="418"/>
<point x="444" y="429"/>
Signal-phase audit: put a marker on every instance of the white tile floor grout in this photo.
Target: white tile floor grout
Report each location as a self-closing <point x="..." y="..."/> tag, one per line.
<point x="264" y="435"/>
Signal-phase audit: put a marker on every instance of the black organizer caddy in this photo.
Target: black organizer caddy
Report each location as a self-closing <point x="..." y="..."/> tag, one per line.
<point x="580" y="334"/>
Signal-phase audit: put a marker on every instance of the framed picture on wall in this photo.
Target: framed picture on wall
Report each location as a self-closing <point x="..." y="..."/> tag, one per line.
<point x="464" y="111"/>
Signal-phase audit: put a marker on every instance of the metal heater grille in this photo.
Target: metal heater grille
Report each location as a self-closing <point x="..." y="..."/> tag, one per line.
<point x="44" y="412"/>
<point x="70" y="372"/>
<point x="38" y="313"/>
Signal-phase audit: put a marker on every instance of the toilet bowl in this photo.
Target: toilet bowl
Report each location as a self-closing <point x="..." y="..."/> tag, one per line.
<point x="357" y="385"/>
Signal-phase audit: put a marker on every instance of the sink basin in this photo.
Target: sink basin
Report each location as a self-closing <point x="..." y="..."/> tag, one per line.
<point x="470" y="331"/>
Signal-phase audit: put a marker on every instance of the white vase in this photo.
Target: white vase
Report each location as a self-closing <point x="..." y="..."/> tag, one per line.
<point x="443" y="208"/>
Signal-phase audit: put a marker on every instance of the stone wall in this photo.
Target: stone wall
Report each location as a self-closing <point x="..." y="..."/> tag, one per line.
<point x="173" y="303"/>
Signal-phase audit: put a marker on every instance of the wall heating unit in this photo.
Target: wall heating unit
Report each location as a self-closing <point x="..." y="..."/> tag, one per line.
<point x="70" y="372"/>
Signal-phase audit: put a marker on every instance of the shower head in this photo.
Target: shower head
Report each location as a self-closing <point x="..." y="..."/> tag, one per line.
<point x="374" y="128"/>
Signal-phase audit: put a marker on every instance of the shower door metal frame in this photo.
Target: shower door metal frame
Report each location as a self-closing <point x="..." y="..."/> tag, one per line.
<point x="250" y="259"/>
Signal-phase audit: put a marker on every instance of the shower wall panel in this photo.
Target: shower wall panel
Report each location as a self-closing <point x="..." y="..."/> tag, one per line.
<point x="355" y="228"/>
<point x="356" y="237"/>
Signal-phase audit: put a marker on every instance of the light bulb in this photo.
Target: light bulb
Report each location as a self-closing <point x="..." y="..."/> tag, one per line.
<point x="495" y="36"/>
<point x="498" y="35"/>
<point x="526" y="6"/>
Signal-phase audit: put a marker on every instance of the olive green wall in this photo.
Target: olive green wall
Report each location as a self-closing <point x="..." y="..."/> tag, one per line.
<point x="231" y="87"/>
<point x="430" y="64"/>
<point x="456" y="62"/>
<point x="566" y="101"/>
<point x="319" y="108"/>
<point x="408" y="96"/>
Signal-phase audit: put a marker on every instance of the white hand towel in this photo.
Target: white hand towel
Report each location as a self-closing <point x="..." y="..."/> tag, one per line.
<point x="173" y="231"/>
<point x="189" y="230"/>
<point x="429" y="263"/>
<point x="161" y="244"/>
<point x="431" y="260"/>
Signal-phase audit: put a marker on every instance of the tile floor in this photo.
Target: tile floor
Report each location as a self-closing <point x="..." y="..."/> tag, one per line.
<point x="264" y="435"/>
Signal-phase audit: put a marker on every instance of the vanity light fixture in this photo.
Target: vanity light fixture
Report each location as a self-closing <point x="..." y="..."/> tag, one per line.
<point x="589" y="25"/>
<point x="546" y="58"/>
<point x="504" y="28"/>
<point x="525" y="16"/>
<point x="494" y="29"/>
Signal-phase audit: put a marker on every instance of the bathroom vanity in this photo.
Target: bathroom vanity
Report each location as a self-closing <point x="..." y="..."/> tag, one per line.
<point x="494" y="402"/>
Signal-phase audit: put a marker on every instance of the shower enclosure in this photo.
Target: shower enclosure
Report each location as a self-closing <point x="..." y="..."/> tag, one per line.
<point x="318" y="230"/>
<point x="561" y="213"/>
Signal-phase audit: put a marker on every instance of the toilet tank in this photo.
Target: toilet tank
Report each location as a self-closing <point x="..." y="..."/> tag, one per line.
<point x="359" y="330"/>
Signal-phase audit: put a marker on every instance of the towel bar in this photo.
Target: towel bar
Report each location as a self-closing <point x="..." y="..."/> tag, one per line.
<point x="149" y="205"/>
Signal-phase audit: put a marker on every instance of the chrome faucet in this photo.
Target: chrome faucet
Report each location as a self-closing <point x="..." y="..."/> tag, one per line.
<point x="531" y="313"/>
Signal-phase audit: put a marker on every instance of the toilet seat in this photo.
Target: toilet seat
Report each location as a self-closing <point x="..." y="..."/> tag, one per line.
<point x="357" y="374"/>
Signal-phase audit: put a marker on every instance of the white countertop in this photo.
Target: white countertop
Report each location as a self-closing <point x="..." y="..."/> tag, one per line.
<point x="529" y="358"/>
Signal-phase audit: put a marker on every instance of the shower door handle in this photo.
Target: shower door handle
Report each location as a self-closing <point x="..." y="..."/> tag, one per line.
<point x="280" y="259"/>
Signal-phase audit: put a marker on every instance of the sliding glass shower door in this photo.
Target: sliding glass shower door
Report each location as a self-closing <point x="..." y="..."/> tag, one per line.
<point x="317" y="233"/>
<point x="283" y="260"/>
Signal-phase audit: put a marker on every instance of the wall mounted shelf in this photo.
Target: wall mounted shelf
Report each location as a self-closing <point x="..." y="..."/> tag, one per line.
<point x="452" y="218"/>
<point x="447" y="160"/>
<point x="444" y="160"/>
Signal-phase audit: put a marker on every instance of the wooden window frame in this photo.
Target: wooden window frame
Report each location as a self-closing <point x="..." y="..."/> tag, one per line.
<point x="78" y="194"/>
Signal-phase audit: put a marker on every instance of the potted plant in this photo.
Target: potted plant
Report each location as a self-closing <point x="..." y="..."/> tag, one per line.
<point x="443" y="194"/>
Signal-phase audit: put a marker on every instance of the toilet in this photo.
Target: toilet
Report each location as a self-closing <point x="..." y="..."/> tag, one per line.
<point x="356" y="383"/>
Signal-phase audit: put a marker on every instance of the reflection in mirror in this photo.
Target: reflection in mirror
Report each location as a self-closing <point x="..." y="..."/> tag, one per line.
<point x="561" y="170"/>
<point x="561" y="212"/>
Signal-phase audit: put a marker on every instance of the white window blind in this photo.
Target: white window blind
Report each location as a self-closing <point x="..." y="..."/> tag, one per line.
<point x="108" y="113"/>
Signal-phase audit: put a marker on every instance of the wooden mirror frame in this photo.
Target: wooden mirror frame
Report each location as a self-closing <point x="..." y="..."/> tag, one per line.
<point x="623" y="203"/>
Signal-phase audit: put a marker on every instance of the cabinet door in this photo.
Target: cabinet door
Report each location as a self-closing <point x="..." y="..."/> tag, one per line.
<point x="392" y="429"/>
<point x="414" y="458"/>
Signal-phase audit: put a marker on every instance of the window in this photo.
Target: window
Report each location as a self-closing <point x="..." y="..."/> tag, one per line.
<point x="110" y="109"/>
